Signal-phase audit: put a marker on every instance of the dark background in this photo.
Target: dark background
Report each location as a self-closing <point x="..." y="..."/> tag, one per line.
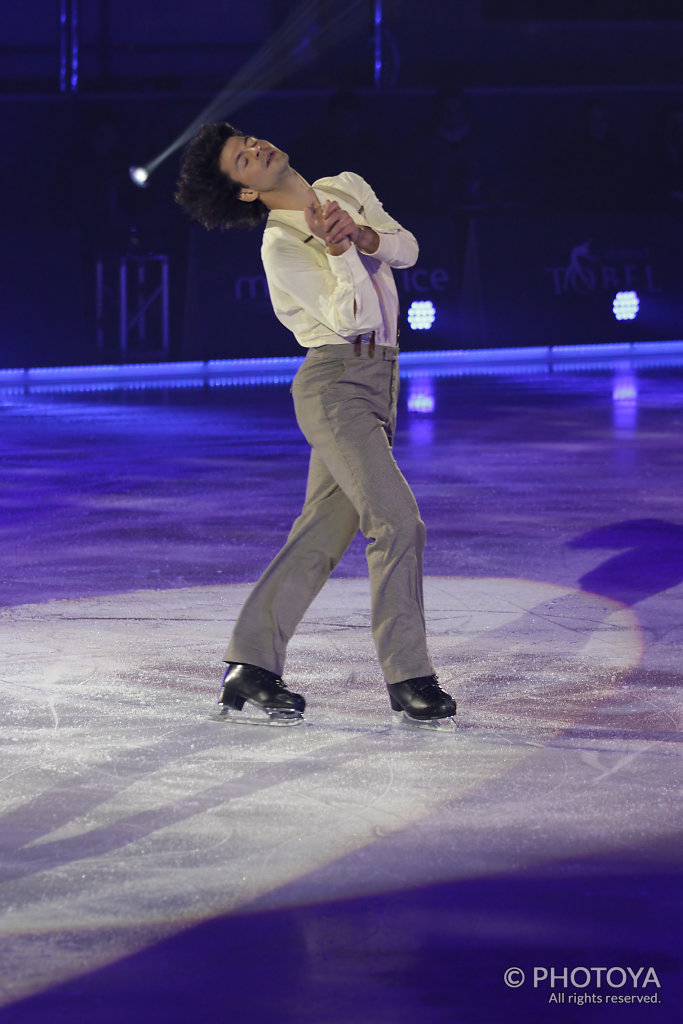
<point x="535" y="149"/>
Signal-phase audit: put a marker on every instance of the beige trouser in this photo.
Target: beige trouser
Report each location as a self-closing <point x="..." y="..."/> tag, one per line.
<point x="346" y="408"/>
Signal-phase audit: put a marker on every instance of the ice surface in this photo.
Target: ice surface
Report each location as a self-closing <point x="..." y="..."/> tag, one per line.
<point x="128" y="812"/>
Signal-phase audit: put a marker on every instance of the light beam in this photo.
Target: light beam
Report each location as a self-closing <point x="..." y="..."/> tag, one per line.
<point x="321" y="24"/>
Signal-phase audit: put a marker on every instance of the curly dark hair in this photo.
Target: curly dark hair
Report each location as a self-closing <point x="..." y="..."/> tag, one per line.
<point x="205" y="192"/>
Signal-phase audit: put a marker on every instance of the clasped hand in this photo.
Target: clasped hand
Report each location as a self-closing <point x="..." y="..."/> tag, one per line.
<point x="335" y="226"/>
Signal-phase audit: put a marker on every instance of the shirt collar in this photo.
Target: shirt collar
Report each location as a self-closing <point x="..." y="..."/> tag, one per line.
<point x="295" y="217"/>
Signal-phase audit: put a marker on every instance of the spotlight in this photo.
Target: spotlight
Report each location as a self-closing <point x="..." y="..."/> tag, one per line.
<point x="626" y="305"/>
<point x="139" y="176"/>
<point x="421" y="315"/>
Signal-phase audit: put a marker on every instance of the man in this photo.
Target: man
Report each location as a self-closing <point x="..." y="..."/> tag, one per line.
<point x="328" y="250"/>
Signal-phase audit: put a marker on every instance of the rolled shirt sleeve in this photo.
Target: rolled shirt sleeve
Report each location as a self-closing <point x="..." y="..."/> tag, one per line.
<point x="397" y="246"/>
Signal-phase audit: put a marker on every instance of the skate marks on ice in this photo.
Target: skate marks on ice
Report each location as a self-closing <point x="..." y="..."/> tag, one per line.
<point x="128" y="814"/>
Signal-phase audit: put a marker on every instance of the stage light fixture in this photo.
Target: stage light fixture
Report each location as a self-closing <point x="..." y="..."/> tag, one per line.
<point x="139" y="176"/>
<point x="421" y="315"/>
<point x="626" y="305"/>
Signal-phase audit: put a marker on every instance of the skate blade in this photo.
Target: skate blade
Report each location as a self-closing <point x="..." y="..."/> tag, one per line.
<point x="259" y="716"/>
<point x="441" y="725"/>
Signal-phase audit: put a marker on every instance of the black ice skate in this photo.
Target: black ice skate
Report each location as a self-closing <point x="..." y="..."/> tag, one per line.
<point x="265" y="692"/>
<point x="422" y="703"/>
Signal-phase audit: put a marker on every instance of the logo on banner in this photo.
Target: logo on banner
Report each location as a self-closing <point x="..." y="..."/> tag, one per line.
<point x="588" y="271"/>
<point x="252" y="289"/>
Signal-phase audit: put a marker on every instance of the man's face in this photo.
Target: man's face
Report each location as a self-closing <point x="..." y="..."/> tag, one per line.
<point x="254" y="163"/>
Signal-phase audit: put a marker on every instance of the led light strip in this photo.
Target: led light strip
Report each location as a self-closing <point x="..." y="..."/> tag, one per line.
<point x="281" y="369"/>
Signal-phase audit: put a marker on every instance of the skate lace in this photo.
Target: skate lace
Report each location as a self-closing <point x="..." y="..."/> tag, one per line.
<point x="271" y="678"/>
<point x="430" y="684"/>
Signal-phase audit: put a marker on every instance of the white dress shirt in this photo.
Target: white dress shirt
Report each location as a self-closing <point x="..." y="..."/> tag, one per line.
<point x="328" y="300"/>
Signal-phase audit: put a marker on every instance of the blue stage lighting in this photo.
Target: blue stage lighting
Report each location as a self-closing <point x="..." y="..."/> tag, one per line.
<point x="421" y="394"/>
<point x="626" y="305"/>
<point x="421" y="315"/>
<point x="625" y="400"/>
<point x="625" y="388"/>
